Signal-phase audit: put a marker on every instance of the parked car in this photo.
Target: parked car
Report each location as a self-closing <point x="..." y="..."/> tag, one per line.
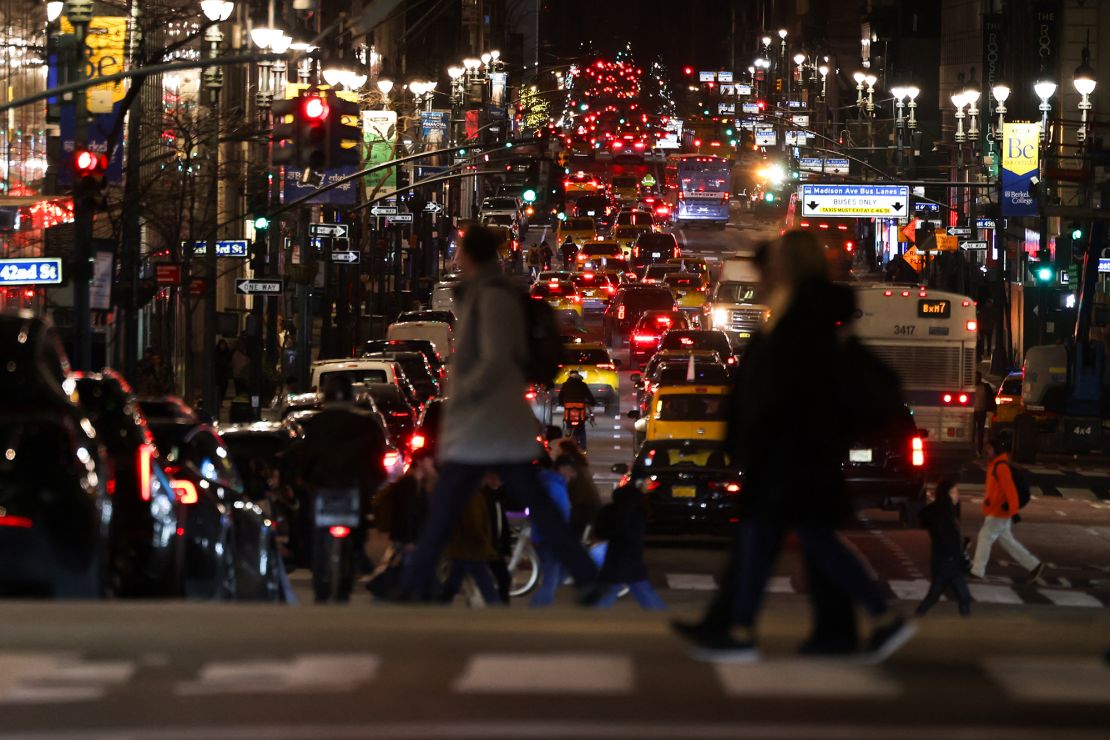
<point x="231" y="545"/>
<point x="447" y="317"/>
<point x="147" y="547"/>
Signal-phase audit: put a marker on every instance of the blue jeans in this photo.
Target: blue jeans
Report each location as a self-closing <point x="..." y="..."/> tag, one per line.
<point x="457" y="483"/>
<point x="551" y="575"/>
<point x="642" y="591"/>
<point x="479" y="572"/>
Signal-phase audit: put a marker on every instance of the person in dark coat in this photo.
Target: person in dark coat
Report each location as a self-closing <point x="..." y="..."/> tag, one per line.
<point x="470" y="551"/>
<point x="623" y="525"/>
<point x="946" y="548"/>
<point x="790" y="436"/>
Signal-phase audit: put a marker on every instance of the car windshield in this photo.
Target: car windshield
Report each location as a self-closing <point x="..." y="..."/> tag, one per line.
<point x="704" y="373"/>
<point x="658" y="272"/>
<point x="624" y="182"/>
<point x="630" y="231"/>
<point x="1011" y="387"/>
<point x="592" y="279"/>
<point x="579" y="224"/>
<point x="634" y="218"/>
<point x="656" y="241"/>
<point x="576" y="356"/>
<point x="361" y="375"/>
<point x="642" y="300"/>
<point x="736" y="292"/>
<point x="696" y="340"/>
<point x="500" y="204"/>
<point x="498" y="220"/>
<point x="691" y="407"/>
<point x="687" y="456"/>
<point x="683" y="281"/>
<point x="202" y="451"/>
<point x="660" y="321"/>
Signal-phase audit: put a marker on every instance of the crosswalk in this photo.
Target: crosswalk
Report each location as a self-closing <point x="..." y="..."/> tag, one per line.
<point x="46" y="678"/>
<point x="1052" y="481"/>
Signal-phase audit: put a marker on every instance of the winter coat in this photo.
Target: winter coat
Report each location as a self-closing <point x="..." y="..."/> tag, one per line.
<point x="623" y="524"/>
<point x="486" y="418"/>
<point x="400" y="510"/>
<point x="788" y="433"/>
<point x="555" y="486"/>
<point x="343" y="447"/>
<point x="943" y="522"/>
<point x="472" y="538"/>
<point x="1001" y="497"/>
<point x="585" y="499"/>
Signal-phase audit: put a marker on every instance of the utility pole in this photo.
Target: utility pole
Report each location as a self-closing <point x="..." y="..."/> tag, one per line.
<point x="213" y="80"/>
<point x="131" y="241"/>
<point x="79" y="13"/>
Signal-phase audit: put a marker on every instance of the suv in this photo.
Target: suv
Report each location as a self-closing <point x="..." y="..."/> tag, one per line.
<point x="651" y="247"/>
<point x="699" y="339"/>
<point x="628" y="305"/>
<point x="733" y="309"/>
<point x="888" y="470"/>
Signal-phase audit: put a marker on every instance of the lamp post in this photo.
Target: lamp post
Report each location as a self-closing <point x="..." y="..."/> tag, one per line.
<point x="1001" y="93"/>
<point x="1084" y="81"/>
<point x="959" y="101"/>
<point x="870" y="79"/>
<point x="79" y="13"/>
<point x="900" y="94"/>
<point x="859" y="78"/>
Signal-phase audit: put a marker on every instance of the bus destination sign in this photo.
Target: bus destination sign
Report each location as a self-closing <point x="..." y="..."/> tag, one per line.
<point x="934" y="309"/>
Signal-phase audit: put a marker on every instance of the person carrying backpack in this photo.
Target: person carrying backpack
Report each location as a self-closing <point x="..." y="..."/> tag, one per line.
<point x="1007" y="491"/>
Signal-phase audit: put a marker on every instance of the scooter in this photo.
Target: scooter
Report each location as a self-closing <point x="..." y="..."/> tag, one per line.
<point x="336" y="542"/>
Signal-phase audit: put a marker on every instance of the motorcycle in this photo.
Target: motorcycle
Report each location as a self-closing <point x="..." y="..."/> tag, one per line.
<point x="575" y="416"/>
<point x="337" y="536"/>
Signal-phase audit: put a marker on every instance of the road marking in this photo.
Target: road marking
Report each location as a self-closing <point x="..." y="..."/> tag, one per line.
<point x="1041" y="470"/>
<point x="36" y="678"/>
<point x="1061" y="597"/>
<point x="989" y="594"/>
<point x="691" y="582"/>
<point x="1078" y="494"/>
<point x="310" y="672"/>
<point x="780" y="585"/>
<point x="546" y="673"/>
<point x="1078" y="680"/>
<point x="910" y="590"/>
<point x="799" y="677"/>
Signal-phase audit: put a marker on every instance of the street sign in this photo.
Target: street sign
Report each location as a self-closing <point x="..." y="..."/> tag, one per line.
<point x="985" y="223"/>
<point x="335" y="231"/>
<point x="196" y="286"/>
<point x="976" y="246"/>
<point x="167" y="273"/>
<point x="959" y="231"/>
<point x="764" y="135"/>
<point x="31" y="271"/>
<point x="855" y="201"/>
<point x="346" y="258"/>
<point x="259" y="286"/>
<point x="400" y="218"/>
<point x="433" y="207"/>
<point x="750" y="107"/>
<point x="383" y="210"/>
<point x="1104" y="264"/>
<point x="227" y="248"/>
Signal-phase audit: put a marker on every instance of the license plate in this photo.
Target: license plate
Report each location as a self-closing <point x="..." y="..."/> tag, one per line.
<point x="683" y="492"/>
<point x="337" y="508"/>
<point x="656" y="255"/>
<point x="859" y="456"/>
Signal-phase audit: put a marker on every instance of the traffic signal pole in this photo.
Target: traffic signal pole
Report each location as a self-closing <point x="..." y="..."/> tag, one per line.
<point x="79" y="13"/>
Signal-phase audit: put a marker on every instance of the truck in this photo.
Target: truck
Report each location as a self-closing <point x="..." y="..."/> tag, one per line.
<point x="733" y="307"/>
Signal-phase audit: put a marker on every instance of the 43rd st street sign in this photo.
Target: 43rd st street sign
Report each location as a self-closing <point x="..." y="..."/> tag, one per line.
<point x="855" y="201"/>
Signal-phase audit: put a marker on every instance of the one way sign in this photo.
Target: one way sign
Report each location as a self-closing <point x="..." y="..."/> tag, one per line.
<point x="335" y="231"/>
<point x="347" y="258"/>
<point x="259" y="286"/>
<point x="855" y="201"/>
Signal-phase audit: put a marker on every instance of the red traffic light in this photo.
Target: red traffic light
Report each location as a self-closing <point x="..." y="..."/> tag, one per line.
<point x="315" y="108"/>
<point x="688" y="71"/>
<point x="87" y="163"/>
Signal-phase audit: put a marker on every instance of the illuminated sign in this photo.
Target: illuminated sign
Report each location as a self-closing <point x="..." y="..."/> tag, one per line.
<point x="1020" y="163"/>
<point x="934" y="309"/>
<point x="31" y="271"/>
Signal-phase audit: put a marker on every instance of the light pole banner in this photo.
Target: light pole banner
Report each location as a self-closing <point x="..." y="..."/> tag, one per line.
<point x="433" y="125"/>
<point x="379" y="128"/>
<point x="1020" y="163"/>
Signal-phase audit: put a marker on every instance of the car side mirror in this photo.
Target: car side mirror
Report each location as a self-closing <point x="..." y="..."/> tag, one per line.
<point x="619" y="468"/>
<point x="633" y="414"/>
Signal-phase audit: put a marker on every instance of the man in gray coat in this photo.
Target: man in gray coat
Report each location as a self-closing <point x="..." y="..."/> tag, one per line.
<point x="487" y="423"/>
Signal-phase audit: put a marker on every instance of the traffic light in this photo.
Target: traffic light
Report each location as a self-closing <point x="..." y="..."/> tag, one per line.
<point x="89" y="169"/>
<point x="688" y="71"/>
<point x="529" y="195"/>
<point x="313" y="130"/>
<point x="261" y="223"/>
<point x="284" y="135"/>
<point x="1044" y="274"/>
<point x="345" y="136"/>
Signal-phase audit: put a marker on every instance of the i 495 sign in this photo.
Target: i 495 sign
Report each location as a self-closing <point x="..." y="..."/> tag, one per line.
<point x="31" y="271"/>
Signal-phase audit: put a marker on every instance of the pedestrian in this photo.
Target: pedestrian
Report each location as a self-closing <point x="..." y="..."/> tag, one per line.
<point x="551" y="575"/>
<point x="222" y="361"/>
<point x="623" y="524"/>
<point x="240" y="368"/>
<point x="470" y="551"/>
<point x="155" y="375"/>
<point x="535" y="260"/>
<point x="789" y="439"/>
<point x="494" y="493"/>
<point x="946" y="549"/>
<point x="487" y="423"/>
<point x="984" y="404"/>
<point x="585" y="499"/>
<point x="546" y="254"/>
<point x="1000" y="508"/>
<point x="401" y="507"/>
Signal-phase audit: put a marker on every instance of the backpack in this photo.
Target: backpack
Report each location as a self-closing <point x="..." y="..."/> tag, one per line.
<point x="543" y="340"/>
<point x="1021" y="483"/>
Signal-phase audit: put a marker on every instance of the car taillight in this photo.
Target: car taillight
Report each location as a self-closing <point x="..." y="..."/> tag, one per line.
<point x="419" y="440"/>
<point x="1003" y="399"/>
<point x="576" y="299"/>
<point x="917" y="452"/>
<point x="390" y="459"/>
<point x="610" y="289"/>
<point x="620" y="312"/>
<point x="339" y="532"/>
<point x="185" y="491"/>
<point x="849" y="247"/>
<point x="651" y="485"/>
<point x="725" y="486"/>
<point x="16" y="522"/>
<point x="644" y="338"/>
<point x="960" y="399"/>
<point x="144" y="462"/>
<point x="731" y="360"/>
<point x="530" y="396"/>
<point x="606" y="366"/>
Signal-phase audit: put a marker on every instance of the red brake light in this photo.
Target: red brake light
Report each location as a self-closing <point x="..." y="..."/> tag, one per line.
<point x="18" y="522"/>
<point x="315" y="108"/>
<point x="947" y="398"/>
<point x="390" y="459"/>
<point x="972" y="325"/>
<point x="185" y="490"/>
<point x="849" y="247"/>
<point x="644" y="338"/>
<point x="917" y="452"/>
<point x="963" y="398"/>
<point x="144" y="462"/>
<point x="419" y="440"/>
<point x="651" y="485"/>
<point x="339" y="532"/>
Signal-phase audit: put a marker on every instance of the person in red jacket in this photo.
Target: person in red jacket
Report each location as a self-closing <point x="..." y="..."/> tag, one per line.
<point x="1000" y="504"/>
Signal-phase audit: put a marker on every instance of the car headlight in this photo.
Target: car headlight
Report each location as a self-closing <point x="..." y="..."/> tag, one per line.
<point x="720" y="316"/>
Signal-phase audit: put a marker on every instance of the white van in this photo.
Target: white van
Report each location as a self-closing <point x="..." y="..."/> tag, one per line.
<point x="359" y="371"/>
<point x="443" y="296"/>
<point x="438" y="333"/>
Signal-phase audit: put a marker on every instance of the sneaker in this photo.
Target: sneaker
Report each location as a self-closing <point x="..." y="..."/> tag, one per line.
<point x="1035" y="573"/>
<point x="713" y="646"/>
<point x="886" y="640"/>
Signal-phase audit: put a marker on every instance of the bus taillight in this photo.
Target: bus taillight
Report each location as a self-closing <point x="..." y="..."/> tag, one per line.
<point x="972" y="325"/>
<point x="917" y="452"/>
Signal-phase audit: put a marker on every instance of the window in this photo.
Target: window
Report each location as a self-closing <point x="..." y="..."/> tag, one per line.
<point x="735" y="292"/>
<point x="585" y="356"/>
<point x="691" y="407"/>
<point x="365" y="375"/>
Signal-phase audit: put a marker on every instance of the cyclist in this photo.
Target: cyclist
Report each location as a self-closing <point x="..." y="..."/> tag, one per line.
<point x="577" y="402"/>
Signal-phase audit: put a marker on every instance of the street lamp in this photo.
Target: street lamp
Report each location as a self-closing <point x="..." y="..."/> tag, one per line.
<point x="216" y="11"/>
<point x="871" y="79"/>
<point x="1045" y="89"/>
<point x="912" y="92"/>
<point x="959" y="101"/>
<point x="1001" y="93"/>
<point x="823" y="69"/>
<point x="971" y="95"/>
<point x="54" y="10"/>
<point x="1084" y="81"/>
<point x="859" y="77"/>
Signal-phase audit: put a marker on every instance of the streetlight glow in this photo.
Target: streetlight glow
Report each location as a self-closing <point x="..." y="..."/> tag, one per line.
<point x="1045" y="89"/>
<point x="1001" y="92"/>
<point x="54" y="10"/>
<point x="214" y="10"/>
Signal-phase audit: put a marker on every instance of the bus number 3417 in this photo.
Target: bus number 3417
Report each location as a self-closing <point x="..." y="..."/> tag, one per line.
<point x="905" y="329"/>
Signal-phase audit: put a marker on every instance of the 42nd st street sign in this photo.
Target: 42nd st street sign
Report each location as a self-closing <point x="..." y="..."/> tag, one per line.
<point x="855" y="201"/>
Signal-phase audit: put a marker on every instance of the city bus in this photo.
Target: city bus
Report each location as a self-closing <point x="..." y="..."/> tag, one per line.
<point x="928" y="338"/>
<point x="703" y="194"/>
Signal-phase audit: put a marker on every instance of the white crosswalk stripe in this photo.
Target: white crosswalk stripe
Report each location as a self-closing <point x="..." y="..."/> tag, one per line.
<point x="806" y="678"/>
<point x="910" y="590"/>
<point x="304" y="673"/>
<point x="691" y="582"/>
<point x="990" y="594"/>
<point x="546" y="673"/>
<point x="37" y="678"/>
<point x="1052" y="679"/>
<point x="1064" y="597"/>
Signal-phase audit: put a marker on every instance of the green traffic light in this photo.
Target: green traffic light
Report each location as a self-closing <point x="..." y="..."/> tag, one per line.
<point x="769" y="197"/>
<point x="1077" y="234"/>
<point x="562" y="216"/>
<point x="261" y="223"/>
<point x="529" y="195"/>
<point x="462" y="152"/>
<point x="508" y="145"/>
<point x="728" y="132"/>
<point x="1044" y="274"/>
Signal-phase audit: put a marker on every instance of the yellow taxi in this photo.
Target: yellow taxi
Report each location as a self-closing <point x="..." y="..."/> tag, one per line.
<point x="597" y="288"/>
<point x="581" y="183"/>
<point x="562" y="296"/>
<point x="591" y="253"/>
<point x="692" y="264"/>
<point x="685" y="412"/>
<point x="626" y="237"/>
<point x="1008" y="404"/>
<point x="508" y="244"/>
<point x="688" y="289"/>
<point x="598" y="371"/>
<point x="579" y="229"/>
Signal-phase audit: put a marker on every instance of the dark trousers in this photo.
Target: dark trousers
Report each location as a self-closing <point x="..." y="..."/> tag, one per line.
<point x="947" y="575"/>
<point x="457" y="483"/>
<point x="479" y="572"/>
<point x="978" y="428"/>
<point x="755" y="549"/>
